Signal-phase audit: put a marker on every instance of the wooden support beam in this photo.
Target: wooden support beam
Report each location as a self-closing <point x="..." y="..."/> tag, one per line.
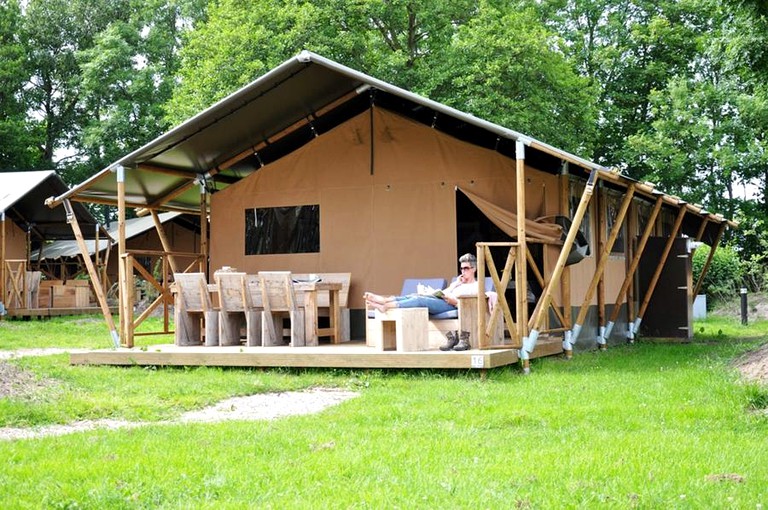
<point x="101" y="296"/>
<point x="486" y="331"/>
<point x="3" y="296"/>
<point x="521" y="277"/>
<point x="702" y="228"/>
<point x="480" y="275"/>
<point x="178" y="190"/>
<point x="540" y="279"/>
<point x="602" y="226"/>
<point x="628" y="279"/>
<point x="164" y="241"/>
<point x="604" y="256"/>
<point x="565" y="280"/>
<point x="660" y="267"/>
<point x="711" y="255"/>
<point x="204" y="231"/>
<point x="139" y="206"/>
<point x="632" y="229"/>
<point x="130" y="299"/>
<point x="581" y="210"/>
<point x="125" y="316"/>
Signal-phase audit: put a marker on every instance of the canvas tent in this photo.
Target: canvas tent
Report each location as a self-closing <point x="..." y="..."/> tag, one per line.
<point x="26" y="224"/>
<point x="62" y="259"/>
<point x="380" y="183"/>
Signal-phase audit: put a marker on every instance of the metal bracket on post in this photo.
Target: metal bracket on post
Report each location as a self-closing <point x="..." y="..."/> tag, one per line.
<point x="529" y="342"/>
<point x="68" y="211"/>
<point x="567" y="345"/>
<point x="525" y="359"/>
<point x="634" y="329"/>
<point x="120" y="171"/>
<point x="607" y="331"/>
<point x="575" y="333"/>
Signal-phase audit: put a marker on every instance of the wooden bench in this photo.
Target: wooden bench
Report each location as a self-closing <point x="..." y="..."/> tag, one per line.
<point x="463" y="319"/>
<point x="323" y="298"/>
<point x="400" y="329"/>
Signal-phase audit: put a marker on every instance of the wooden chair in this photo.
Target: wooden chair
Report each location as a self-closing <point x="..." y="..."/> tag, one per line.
<point x="232" y="306"/>
<point x="193" y="305"/>
<point x="279" y="301"/>
<point x="253" y="307"/>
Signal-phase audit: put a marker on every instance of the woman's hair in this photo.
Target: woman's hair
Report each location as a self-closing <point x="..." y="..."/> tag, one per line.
<point x="468" y="257"/>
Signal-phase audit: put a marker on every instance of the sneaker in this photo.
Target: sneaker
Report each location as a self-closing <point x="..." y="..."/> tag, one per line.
<point x="451" y="339"/>
<point x="463" y="344"/>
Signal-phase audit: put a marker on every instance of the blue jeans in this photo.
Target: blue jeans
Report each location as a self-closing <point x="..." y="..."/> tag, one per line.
<point x="434" y="304"/>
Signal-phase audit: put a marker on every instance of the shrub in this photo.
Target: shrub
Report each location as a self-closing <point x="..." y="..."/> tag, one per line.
<point x="724" y="276"/>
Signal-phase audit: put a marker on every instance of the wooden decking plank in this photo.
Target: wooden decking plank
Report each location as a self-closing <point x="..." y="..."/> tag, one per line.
<point x="346" y="355"/>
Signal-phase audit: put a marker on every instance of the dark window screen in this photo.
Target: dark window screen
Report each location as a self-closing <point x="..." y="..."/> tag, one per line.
<point x="273" y="230"/>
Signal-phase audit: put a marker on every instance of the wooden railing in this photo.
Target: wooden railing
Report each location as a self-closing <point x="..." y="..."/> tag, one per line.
<point x="515" y="328"/>
<point x="15" y="285"/>
<point x="162" y="284"/>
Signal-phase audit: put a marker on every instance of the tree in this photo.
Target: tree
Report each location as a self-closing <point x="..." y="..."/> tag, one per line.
<point x="629" y="49"/>
<point x="707" y="129"/>
<point x="16" y="139"/>
<point x="53" y="32"/>
<point x="127" y="77"/>
<point x="503" y="67"/>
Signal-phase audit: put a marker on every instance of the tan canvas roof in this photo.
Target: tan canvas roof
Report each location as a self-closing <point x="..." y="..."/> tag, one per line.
<point x="278" y="113"/>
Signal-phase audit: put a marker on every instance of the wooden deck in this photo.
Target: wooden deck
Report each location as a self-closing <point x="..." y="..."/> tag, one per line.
<point x="353" y="354"/>
<point x="41" y="313"/>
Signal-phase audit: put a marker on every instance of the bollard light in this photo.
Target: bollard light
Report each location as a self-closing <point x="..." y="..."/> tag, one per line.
<point x="743" y="306"/>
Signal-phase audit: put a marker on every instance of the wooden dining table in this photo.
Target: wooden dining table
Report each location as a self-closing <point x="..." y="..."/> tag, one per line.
<point x="312" y="329"/>
<point x="307" y="294"/>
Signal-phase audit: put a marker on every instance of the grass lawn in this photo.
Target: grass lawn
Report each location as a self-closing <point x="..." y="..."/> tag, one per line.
<point x="649" y="425"/>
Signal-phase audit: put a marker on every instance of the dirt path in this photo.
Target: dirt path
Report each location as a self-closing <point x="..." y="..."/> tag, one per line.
<point x="267" y="406"/>
<point x="754" y="365"/>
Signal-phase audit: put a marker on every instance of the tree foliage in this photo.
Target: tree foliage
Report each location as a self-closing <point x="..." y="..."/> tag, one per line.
<point x="673" y="91"/>
<point x="491" y="60"/>
<point x="16" y="140"/>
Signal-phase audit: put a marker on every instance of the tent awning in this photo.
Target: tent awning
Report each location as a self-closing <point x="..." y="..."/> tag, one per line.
<point x="305" y="97"/>
<point x="22" y="198"/>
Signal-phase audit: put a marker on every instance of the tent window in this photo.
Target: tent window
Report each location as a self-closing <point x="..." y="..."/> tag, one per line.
<point x="667" y="222"/>
<point x="274" y="230"/>
<point x="643" y="210"/>
<point x="613" y="204"/>
<point x="576" y="191"/>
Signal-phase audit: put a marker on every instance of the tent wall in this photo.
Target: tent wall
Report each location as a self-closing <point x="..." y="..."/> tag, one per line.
<point x="15" y="241"/>
<point x="384" y="219"/>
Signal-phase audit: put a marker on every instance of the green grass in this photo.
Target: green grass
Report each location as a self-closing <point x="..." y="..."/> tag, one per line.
<point x="651" y="425"/>
<point x="81" y="331"/>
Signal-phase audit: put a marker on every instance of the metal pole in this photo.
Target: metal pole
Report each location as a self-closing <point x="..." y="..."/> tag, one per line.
<point x="744" y="306"/>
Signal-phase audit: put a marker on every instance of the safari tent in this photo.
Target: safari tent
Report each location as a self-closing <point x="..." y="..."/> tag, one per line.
<point x="62" y="259"/>
<point x="315" y="167"/>
<point x="26" y="225"/>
